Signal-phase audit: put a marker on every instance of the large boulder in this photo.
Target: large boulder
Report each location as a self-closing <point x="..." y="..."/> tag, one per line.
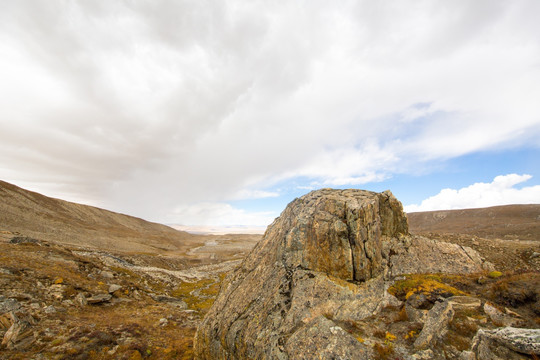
<point x="328" y="257"/>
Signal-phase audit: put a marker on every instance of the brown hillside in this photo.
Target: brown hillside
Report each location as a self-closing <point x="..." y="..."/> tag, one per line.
<point x="517" y="222"/>
<point x="27" y="213"/>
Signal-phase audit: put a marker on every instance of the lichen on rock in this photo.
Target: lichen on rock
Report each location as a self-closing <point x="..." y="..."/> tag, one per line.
<point x="332" y="254"/>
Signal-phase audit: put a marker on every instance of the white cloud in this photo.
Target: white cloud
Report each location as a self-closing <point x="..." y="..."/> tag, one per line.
<point x="501" y="191"/>
<point x="219" y="214"/>
<point x="146" y="106"/>
<point x="247" y="194"/>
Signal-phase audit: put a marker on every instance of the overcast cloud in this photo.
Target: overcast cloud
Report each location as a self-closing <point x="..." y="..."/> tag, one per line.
<point x="169" y="110"/>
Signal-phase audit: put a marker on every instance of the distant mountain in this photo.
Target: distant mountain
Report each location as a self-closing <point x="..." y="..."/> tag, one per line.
<point x="27" y="213"/>
<point x="505" y="222"/>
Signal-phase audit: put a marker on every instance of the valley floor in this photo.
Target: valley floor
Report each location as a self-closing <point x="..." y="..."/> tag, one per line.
<point x="66" y="302"/>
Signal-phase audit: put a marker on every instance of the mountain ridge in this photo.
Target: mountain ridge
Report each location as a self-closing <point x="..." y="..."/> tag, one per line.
<point x="505" y="221"/>
<point x="35" y="215"/>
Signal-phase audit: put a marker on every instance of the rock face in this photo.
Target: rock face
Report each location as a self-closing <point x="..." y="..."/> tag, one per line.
<point x="330" y="255"/>
<point x="506" y="343"/>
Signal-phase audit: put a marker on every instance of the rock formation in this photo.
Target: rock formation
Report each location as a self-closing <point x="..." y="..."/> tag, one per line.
<point x="328" y="259"/>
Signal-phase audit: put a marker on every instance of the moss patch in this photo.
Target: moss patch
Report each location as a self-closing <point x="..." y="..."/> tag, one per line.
<point x="428" y="284"/>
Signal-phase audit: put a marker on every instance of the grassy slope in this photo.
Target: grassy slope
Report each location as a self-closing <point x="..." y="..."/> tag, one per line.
<point x="505" y="222"/>
<point x="35" y="215"/>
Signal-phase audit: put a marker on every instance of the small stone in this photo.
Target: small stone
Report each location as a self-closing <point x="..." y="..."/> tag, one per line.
<point x="113" y="350"/>
<point x="418" y="301"/>
<point x="465" y="302"/>
<point x="467" y="355"/>
<point x="57" y="291"/>
<point x="512" y="313"/>
<point x="19" y="336"/>
<point x="99" y="298"/>
<point x="170" y="300"/>
<point x="5" y="321"/>
<point x="163" y="322"/>
<point x="107" y="274"/>
<point x="7" y="305"/>
<point x="436" y="323"/>
<point x="80" y="299"/>
<point x="23" y="240"/>
<point x="113" y="288"/>
<point x="498" y="317"/>
<point x="50" y="309"/>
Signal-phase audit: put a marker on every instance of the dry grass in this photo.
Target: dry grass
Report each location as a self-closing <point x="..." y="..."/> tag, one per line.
<point x="428" y="284"/>
<point x="383" y="351"/>
<point x="127" y="329"/>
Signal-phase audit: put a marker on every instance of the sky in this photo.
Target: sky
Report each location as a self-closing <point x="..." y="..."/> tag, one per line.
<point x="222" y="112"/>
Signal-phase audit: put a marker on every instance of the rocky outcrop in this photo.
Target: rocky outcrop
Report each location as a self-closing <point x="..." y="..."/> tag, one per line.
<point x="328" y="259"/>
<point x="323" y="339"/>
<point x="506" y="343"/>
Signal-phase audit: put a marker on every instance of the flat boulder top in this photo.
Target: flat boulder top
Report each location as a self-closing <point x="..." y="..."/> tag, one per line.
<point x="331" y="203"/>
<point x="338" y="232"/>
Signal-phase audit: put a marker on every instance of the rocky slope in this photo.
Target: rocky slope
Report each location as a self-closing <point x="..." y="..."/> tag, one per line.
<point x="42" y="217"/>
<point x="77" y="282"/>
<point x="508" y="236"/>
<point x="509" y="222"/>
<point x="327" y="280"/>
<point x="65" y="302"/>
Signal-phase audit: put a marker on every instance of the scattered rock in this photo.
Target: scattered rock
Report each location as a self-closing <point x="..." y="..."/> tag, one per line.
<point x="526" y="341"/>
<point x="23" y="240"/>
<point x="5" y="321"/>
<point x="465" y="302"/>
<point x="418" y="301"/>
<point x="500" y="318"/>
<point x="506" y="343"/>
<point x="19" y="336"/>
<point x="80" y="299"/>
<point x="98" y="299"/>
<point x="49" y="309"/>
<point x="113" y="288"/>
<point x="7" y="305"/>
<point x="57" y="291"/>
<point x="170" y="300"/>
<point x="467" y="355"/>
<point x="436" y="323"/>
<point x="106" y="274"/>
